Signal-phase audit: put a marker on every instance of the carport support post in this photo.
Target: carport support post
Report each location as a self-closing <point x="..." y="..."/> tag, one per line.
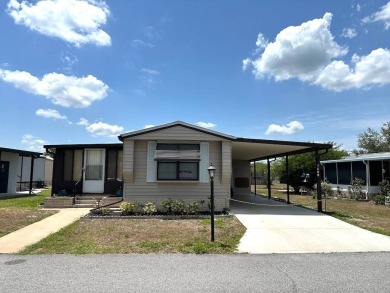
<point x="254" y="174"/>
<point x="269" y="178"/>
<point x="288" y="181"/>
<point x="319" y="199"/>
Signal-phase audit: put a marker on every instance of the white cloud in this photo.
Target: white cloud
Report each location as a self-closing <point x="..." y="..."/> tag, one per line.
<point x="75" y="21"/>
<point x="261" y="41"/>
<point x="148" y="126"/>
<point x="369" y="70"/>
<point x="33" y="143"/>
<point x="104" y="129"/>
<point x="309" y="53"/>
<point x="50" y="113"/>
<point x="349" y="33"/>
<point x="150" y="71"/>
<point x="83" y="122"/>
<point x="149" y="75"/>
<point x="66" y="91"/>
<point x="246" y="63"/>
<point x="382" y="15"/>
<point x="206" y="124"/>
<point x="299" y="51"/>
<point x="141" y="44"/>
<point x="292" y="127"/>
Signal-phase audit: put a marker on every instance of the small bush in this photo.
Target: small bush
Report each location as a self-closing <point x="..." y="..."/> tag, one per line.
<point x="127" y="208"/>
<point x="355" y="189"/>
<point x="149" y="208"/>
<point x="174" y="207"/>
<point x="194" y="208"/>
<point x="326" y="190"/>
<point x="383" y="194"/>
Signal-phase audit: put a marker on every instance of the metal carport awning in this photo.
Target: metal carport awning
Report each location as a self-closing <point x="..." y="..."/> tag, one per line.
<point x="259" y="149"/>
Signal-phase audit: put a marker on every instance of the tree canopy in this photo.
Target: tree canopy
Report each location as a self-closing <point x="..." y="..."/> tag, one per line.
<point x="372" y="141"/>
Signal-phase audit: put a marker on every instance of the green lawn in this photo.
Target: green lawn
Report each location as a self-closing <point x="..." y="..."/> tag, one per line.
<point x="19" y="211"/>
<point x="90" y="236"/>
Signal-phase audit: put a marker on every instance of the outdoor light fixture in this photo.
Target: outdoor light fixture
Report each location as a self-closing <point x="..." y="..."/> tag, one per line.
<point x="211" y="170"/>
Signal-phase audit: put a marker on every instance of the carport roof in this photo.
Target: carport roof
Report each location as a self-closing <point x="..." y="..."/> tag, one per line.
<point x="260" y="149"/>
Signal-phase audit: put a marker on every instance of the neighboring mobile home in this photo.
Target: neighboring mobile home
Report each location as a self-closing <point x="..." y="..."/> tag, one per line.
<point x="371" y="168"/>
<point x="20" y="170"/>
<point x="166" y="161"/>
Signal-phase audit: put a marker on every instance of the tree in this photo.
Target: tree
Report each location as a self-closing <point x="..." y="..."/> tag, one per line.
<point x="305" y="164"/>
<point x="372" y="141"/>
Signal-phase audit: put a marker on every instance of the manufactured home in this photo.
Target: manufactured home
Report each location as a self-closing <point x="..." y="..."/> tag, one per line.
<point x="371" y="168"/>
<point x="166" y="161"/>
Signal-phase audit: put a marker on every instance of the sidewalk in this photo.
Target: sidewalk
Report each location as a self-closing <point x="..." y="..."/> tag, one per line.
<point x="16" y="241"/>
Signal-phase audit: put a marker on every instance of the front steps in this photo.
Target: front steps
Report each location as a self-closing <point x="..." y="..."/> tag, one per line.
<point x="82" y="201"/>
<point x="90" y="201"/>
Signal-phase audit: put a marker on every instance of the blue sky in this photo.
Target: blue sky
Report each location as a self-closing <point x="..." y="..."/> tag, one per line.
<point x="84" y="71"/>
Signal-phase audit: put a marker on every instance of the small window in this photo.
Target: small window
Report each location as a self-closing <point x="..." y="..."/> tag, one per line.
<point x="177" y="161"/>
<point x="178" y="171"/>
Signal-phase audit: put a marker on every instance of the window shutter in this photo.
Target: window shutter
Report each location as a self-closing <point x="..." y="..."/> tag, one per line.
<point x="151" y="164"/>
<point x="204" y="162"/>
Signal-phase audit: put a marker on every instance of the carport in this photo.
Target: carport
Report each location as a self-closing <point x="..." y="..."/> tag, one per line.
<point x="253" y="150"/>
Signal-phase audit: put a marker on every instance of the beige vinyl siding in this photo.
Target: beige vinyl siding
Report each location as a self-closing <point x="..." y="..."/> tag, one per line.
<point x="179" y="134"/>
<point x="142" y="191"/>
<point x="128" y="161"/>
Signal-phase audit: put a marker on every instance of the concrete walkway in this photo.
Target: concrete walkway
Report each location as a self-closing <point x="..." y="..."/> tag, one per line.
<point x="16" y="241"/>
<point x="275" y="227"/>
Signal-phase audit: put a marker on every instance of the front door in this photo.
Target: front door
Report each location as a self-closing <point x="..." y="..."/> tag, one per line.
<point x="93" y="181"/>
<point x="4" y="172"/>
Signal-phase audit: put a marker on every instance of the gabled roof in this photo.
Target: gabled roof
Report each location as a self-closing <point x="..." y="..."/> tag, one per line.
<point x="365" y="157"/>
<point x="173" y="124"/>
<point x="243" y="148"/>
<point x="20" y="152"/>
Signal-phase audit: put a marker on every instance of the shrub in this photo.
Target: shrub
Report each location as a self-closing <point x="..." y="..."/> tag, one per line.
<point x="174" y="207"/>
<point x="149" y="208"/>
<point x="127" y="208"/>
<point x="326" y="190"/>
<point x="194" y="208"/>
<point x="355" y="189"/>
<point x="384" y="192"/>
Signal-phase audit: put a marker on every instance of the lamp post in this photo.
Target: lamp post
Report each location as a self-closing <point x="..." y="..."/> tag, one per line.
<point x="211" y="170"/>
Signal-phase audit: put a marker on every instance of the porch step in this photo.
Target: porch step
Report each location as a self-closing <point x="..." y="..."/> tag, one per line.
<point x="90" y="201"/>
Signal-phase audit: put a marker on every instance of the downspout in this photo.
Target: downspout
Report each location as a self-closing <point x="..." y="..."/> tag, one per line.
<point x="31" y="173"/>
<point x="367" y="177"/>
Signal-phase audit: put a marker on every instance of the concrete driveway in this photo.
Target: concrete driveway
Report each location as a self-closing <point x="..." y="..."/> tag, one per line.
<point x="275" y="227"/>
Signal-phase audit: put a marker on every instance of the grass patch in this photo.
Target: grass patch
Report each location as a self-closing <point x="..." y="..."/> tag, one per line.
<point x="364" y="214"/>
<point x="24" y="200"/>
<point x="142" y="236"/>
<point x="22" y="210"/>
